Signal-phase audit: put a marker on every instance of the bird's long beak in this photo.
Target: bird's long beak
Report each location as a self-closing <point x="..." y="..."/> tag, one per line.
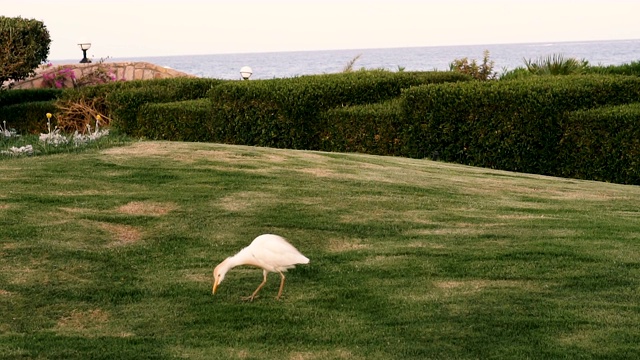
<point x="215" y="286"/>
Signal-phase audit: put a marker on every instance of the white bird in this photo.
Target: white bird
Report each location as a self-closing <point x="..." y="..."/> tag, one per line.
<point x="270" y="252"/>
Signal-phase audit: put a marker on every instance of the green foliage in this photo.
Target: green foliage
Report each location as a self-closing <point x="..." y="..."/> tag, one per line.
<point x="632" y="68"/>
<point x="482" y="71"/>
<point x="187" y="120"/>
<point x="17" y="96"/>
<point x="24" y="45"/>
<point x="27" y="117"/>
<point x="516" y="74"/>
<point x="556" y="64"/>
<point x="371" y="128"/>
<point x="285" y="113"/>
<point x="77" y="107"/>
<point x="125" y="103"/>
<point x="509" y="125"/>
<point x="80" y="106"/>
<point x="602" y="144"/>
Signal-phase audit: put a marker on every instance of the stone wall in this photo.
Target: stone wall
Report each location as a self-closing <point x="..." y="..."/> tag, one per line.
<point x="122" y="70"/>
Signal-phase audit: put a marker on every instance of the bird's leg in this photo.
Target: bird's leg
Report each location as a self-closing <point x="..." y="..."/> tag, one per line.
<point x="281" y="286"/>
<point x="250" y="298"/>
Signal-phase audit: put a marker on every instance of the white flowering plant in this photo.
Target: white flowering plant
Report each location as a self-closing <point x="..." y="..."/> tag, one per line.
<point x="15" y="151"/>
<point x="5" y="132"/>
<point x="82" y="139"/>
<point x="54" y="137"/>
<point x="55" y="141"/>
<point x="6" y="135"/>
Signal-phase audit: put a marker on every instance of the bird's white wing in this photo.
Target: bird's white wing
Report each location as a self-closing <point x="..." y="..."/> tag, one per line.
<point x="275" y="253"/>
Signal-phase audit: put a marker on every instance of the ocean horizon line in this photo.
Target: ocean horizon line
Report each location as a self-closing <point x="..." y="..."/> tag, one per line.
<point x="281" y="64"/>
<point x="266" y="52"/>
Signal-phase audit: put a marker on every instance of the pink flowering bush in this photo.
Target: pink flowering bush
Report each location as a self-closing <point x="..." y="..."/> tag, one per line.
<point x="65" y="77"/>
<point x="59" y="77"/>
<point x="100" y="74"/>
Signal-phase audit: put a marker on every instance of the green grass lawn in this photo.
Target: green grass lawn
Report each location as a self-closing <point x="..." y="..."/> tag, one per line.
<point x="108" y="254"/>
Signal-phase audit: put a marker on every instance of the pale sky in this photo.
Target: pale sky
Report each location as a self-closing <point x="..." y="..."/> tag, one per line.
<point x="142" y="28"/>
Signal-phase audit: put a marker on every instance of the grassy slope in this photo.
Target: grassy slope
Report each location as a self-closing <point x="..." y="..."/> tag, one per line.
<point x="109" y="254"/>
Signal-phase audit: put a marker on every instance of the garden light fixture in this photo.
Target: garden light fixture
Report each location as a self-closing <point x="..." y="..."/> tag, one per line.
<point x="246" y="72"/>
<point x="84" y="46"/>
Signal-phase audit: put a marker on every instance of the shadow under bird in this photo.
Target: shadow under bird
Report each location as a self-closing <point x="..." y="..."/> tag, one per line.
<point x="271" y="253"/>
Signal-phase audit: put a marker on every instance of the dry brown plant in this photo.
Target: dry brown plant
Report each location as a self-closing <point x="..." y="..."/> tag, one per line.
<point x="78" y="113"/>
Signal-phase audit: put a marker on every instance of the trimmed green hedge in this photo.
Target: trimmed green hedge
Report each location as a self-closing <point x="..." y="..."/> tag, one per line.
<point x="285" y="113"/>
<point x="18" y="96"/>
<point x="371" y="128"/>
<point x="602" y="144"/>
<point x="632" y="68"/>
<point x="125" y="103"/>
<point x="28" y="117"/>
<point x="181" y="121"/>
<point x="97" y="95"/>
<point x="510" y="125"/>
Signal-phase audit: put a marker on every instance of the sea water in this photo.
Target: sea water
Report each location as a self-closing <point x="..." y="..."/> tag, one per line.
<point x="295" y="63"/>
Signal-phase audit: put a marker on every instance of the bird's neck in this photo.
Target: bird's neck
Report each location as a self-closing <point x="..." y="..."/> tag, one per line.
<point x="231" y="262"/>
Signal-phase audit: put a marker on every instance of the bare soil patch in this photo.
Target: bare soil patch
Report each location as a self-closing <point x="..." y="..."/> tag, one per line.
<point x="201" y="277"/>
<point x="336" y="354"/>
<point x="89" y="323"/>
<point x="147" y="208"/>
<point x="341" y="245"/>
<point x="121" y="234"/>
<point x="319" y="172"/>
<point x="245" y="200"/>
<point x="81" y="320"/>
<point x="473" y="286"/>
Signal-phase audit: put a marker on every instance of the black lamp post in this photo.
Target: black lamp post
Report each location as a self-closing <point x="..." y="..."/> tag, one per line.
<point x="84" y="46"/>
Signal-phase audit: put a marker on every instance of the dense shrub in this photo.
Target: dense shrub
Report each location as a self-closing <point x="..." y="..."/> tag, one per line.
<point x="370" y="128"/>
<point x="17" y="96"/>
<point x="482" y="71"/>
<point x="285" y="113"/>
<point x="556" y="64"/>
<point x="79" y="106"/>
<point x="24" y="45"/>
<point x="510" y="125"/>
<point x="602" y="144"/>
<point x="182" y="121"/>
<point x="27" y="117"/>
<point x="125" y="103"/>
<point x="518" y="73"/>
<point x="632" y="68"/>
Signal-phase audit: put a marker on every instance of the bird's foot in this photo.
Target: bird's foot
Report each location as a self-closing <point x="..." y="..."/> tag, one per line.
<point x="248" y="298"/>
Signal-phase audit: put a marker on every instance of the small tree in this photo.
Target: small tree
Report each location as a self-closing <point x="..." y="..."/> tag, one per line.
<point x="24" y="45"/>
<point x="482" y="71"/>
